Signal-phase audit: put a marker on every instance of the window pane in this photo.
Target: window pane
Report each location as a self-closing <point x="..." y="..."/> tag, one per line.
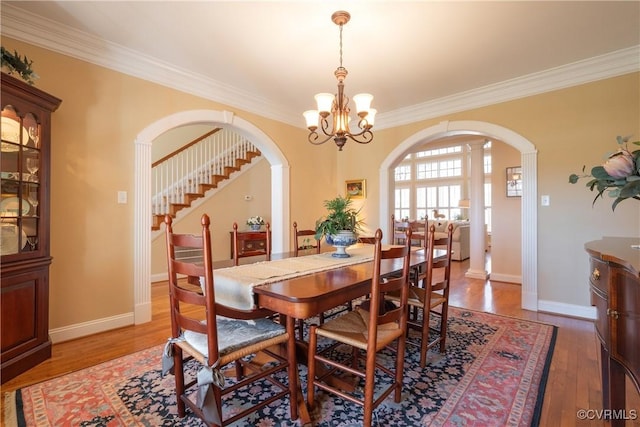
<point x="402" y="203"/>
<point x="426" y="170"/>
<point x="403" y="173"/>
<point x="487" y="164"/>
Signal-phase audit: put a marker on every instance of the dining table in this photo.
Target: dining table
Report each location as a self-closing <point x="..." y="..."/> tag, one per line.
<point x="306" y="293"/>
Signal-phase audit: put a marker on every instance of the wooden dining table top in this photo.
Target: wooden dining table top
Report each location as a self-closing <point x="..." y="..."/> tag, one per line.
<point x="306" y="296"/>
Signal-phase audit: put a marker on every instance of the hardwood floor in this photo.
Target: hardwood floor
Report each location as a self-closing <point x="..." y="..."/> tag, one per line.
<point x="574" y="376"/>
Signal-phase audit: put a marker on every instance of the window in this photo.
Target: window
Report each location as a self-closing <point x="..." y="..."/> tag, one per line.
<point x="402" y="203"/>
<point x="435" y="179"/>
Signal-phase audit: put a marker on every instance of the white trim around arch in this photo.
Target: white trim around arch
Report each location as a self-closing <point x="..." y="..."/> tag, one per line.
<point x="142" y="199"/>
<point x="529" y="220"/>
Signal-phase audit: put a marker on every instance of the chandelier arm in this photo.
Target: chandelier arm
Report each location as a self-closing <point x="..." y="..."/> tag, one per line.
<point x="364" y="137"/>
<point x="313" y="138"/>
<point x="324" y="126"/>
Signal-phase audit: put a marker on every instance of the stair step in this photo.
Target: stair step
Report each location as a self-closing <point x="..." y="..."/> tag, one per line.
<point x="215" y="179"/>
<point x="190" y="197"/>
<point x="230" y="169"/>
<point x="174" y="208"/>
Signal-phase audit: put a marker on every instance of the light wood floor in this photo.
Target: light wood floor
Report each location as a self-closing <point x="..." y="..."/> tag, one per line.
<point x="574" y="376"/>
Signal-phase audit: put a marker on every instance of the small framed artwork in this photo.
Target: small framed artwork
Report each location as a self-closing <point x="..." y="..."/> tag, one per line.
<point x="356" y="188"/>
<point x="514" y="181"/>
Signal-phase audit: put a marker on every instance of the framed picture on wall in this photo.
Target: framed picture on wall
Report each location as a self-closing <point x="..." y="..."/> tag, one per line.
<point x="514" y="181"/>
<point x="356" y="188"/>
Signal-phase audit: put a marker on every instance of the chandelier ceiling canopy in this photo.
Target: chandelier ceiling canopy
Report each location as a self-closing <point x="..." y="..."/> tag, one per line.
<point x="338" y="107"/>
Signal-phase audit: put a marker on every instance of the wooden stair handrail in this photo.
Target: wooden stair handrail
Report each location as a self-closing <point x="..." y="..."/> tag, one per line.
<point x="181" y="149"/>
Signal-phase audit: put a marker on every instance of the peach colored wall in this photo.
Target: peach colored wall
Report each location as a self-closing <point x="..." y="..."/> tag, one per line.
<point x="103" y="111"/>
<point x="506" y="233"/>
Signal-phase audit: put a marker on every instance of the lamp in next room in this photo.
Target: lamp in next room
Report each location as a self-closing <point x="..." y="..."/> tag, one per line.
<point x="338" y="106"/>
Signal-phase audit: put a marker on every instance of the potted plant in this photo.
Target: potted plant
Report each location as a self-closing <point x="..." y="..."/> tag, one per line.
<point x="340" y="226"/>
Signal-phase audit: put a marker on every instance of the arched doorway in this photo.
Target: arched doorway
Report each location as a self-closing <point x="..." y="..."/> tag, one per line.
<point x="529" y="220"/>
<point x="142" y="191"/>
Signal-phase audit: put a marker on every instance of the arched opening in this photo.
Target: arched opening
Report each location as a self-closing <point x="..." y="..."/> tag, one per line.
<point x="528" y="153"/>
<point x="142" y="191"/>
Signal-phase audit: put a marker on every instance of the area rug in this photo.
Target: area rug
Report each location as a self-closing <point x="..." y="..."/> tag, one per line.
<point x="493" y="373"/>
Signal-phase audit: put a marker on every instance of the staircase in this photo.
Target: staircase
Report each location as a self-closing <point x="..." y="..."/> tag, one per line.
<point x="185" y="175"/>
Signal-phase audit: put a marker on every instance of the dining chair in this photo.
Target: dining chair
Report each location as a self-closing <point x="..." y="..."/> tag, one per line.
<point x="297" y="247"/>
<point x="398" y="229"/>
<point x="244" y="243"/>
<point x="217" y="336"/>
<point x="308" y="237"/>
<point x="419" y="230"/>
<point x="368" y="331"/>
<point x="427" y="293"/>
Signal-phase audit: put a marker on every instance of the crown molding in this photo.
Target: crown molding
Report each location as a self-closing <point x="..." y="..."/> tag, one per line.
<point x="48" y="34"/>
<point x="601" y="67"/>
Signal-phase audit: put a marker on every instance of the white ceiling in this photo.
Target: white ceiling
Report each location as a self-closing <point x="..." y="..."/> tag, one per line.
<point x="418" y="58"/>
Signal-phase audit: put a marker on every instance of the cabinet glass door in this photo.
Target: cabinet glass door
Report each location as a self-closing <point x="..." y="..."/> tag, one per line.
<point x="20" y="163"/>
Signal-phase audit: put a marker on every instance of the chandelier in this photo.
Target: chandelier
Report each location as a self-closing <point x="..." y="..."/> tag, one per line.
<point x="338" y="106"/>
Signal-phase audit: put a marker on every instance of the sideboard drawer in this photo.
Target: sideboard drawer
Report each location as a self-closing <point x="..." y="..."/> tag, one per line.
<point x="599" y="274"/>
<point x="253" y="243"/>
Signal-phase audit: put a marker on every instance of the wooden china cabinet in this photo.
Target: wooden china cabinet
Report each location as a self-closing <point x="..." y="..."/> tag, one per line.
<point x="25" y="161"/>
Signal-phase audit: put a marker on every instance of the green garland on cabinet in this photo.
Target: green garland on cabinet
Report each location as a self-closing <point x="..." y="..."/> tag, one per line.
<point x="14" y="63"/>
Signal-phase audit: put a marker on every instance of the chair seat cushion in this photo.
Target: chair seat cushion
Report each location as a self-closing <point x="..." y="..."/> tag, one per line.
<point x="234" y="334"/>
<point x="352" y="328"/>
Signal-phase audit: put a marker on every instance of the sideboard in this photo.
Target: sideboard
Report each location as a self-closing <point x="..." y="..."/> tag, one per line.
<point x="615" y="292"/>
<point x="254" y="245"/>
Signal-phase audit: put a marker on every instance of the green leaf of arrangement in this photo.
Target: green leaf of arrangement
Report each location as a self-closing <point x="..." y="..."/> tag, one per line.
<point x="632" y="189"/>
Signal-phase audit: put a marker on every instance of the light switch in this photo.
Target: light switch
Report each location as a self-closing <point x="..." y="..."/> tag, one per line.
<point x="544" y="200"/>
<point x="122" y="197"/>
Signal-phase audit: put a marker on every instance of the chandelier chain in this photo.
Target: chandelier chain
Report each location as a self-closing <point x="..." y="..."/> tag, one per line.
<point x="341" y="46"/>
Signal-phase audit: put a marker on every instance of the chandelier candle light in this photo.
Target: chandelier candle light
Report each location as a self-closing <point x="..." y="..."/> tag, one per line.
<point x="338" y="107"/>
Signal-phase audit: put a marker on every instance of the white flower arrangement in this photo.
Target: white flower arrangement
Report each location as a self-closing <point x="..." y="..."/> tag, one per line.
<point x="255" y="220"/>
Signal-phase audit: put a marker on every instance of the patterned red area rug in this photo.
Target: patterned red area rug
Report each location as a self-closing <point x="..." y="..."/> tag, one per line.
<point x="493" y="373"/>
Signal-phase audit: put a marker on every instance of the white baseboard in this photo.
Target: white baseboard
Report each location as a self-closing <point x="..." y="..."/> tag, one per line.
<point x="509" y="278"/>
<point x="477" y="274"/>
<point x="584" y="312"/>
<point x="89" y="328"/>
<point x="160" y="277"/>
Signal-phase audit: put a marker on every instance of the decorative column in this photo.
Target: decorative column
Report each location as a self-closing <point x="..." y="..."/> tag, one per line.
<point x="477" y="269"/>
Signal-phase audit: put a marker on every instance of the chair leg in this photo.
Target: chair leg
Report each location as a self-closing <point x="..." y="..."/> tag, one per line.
<point x="311" y="366"/>
<point x="443" y="326"/>
<point x="402" y="343"/>
<point x="369" y="387"/>
<point x="179" y="378"/>
<point x="424" y="343"/>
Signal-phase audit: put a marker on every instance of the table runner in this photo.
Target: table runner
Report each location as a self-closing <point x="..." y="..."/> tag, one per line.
<point x="234" y="285"/>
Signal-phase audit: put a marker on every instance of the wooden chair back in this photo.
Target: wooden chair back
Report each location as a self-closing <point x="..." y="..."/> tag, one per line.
<point x="187" y="292"/>
<point x="308" y="236"/>
<point x="240" y="238"/>
<point x="380" y="314"/>
<point x="398" y="229"/>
